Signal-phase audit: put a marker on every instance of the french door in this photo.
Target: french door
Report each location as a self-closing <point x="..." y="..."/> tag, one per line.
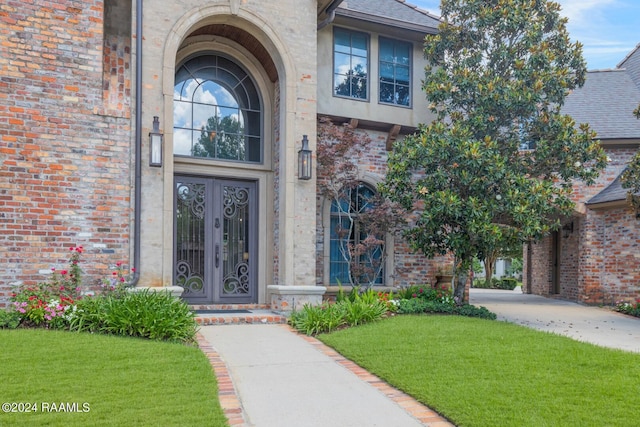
<point x="215" y="240"/>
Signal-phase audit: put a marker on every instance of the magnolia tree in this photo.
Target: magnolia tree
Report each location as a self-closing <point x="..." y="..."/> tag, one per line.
<point x="362" y="218"/>
<point x="499" y="160"/>
<point x="631" y="176"/>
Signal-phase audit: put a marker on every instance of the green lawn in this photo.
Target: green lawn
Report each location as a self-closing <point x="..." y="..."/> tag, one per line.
<point x="486" y="373"/>
<point x="125" y="381"/>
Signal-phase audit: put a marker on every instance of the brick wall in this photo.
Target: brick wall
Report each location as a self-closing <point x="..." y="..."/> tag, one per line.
<point x="598" y="260"/>
<point x="610" y="258"/>
<point x="409" y="268"/>
<point x="64" y="170"/>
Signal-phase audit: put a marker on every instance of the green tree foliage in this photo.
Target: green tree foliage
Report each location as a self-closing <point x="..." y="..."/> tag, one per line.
<point x="631" y="176"/>
<point x="499" y="73"/>
<point x="354" y="83"/>
<point x="222" y="138"/>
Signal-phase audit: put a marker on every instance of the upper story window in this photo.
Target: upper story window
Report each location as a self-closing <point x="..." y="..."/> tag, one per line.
<point x="395" y="75"/>
<point x="350" y="63"/>
<point x="217" y="112"/>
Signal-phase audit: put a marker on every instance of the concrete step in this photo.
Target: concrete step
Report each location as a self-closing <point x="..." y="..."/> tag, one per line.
<point x="234" y="314"/>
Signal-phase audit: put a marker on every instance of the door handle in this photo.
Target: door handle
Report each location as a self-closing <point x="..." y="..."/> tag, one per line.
<point x="217" y="255"/>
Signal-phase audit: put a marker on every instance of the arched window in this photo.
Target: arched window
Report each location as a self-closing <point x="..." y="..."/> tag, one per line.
<point x="217" y="112"/>
<point x="356" y="253"/>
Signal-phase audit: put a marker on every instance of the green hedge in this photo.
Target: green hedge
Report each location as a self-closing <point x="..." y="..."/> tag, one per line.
<point x="507" y="283"/>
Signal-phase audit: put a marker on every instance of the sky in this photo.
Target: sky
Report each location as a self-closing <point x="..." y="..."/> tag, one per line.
<point x="608" y="29"/>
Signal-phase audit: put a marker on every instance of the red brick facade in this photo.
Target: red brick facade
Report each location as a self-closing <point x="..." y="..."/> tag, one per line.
<point x="594" y="261"/>
<point x="409" y="268"/>
<point x="64" y="140"/>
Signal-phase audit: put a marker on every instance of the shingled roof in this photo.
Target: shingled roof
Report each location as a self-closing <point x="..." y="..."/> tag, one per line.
<point x="396" y="13"/>
<point x="606" y="102"/>
<point x="614" y="192"/>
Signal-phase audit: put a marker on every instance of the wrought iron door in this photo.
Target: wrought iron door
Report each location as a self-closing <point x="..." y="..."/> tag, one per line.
<point x="215" y="228"/>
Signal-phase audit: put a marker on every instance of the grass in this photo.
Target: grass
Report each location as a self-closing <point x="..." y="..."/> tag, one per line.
<point x="483" y="373"/>
<point x="125" y="381"/>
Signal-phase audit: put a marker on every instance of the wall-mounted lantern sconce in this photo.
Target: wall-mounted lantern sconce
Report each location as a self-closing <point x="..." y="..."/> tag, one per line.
<point x="567" y="230"/>
<point x="304" y="160"/>
<point x="155" y="144"/>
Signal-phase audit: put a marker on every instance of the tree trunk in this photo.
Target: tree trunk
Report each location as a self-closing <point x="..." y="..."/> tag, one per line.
<point x="460" y="284"/>
<point x="489" y="264"/>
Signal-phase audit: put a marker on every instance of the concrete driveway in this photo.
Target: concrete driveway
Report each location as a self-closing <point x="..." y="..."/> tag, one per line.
<point x="600" y="326"/>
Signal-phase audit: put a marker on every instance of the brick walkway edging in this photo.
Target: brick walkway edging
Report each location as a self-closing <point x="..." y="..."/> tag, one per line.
<point x="229" y="400"/>
<point x="232" y="406"/>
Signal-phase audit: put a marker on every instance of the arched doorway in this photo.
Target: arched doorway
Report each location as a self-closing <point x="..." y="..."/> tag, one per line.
<point x="218" y="141"/>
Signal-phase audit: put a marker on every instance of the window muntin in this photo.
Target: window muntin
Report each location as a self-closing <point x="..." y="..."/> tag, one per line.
<point x="217" y="111"/>
<point x="395" y="72"/>
<point x="350" y="64"/>
<point x="348" y="229"/>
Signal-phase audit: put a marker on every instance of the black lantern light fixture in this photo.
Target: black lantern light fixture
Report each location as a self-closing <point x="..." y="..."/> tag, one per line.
<point x="304" y="160"/>
<point x="155" y="144"/>
<point x="567" y="230"/>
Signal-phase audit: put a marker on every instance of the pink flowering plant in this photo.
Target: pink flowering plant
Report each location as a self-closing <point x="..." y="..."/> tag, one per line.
<point x="119" y="280"/>
<point x="50" y="303"/>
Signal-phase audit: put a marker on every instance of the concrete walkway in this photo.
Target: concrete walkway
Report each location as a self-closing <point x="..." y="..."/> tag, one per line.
<point x="278" y="378"/>
<point x="269" y="375"/>
<point x="600" y="326"/>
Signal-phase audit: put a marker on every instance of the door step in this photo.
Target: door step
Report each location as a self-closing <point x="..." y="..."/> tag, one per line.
<point x="235" y="314"/>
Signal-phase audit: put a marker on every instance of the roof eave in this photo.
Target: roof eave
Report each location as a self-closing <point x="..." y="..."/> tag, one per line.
<point x="424" y="29"/>
<point x="611" y="204"/>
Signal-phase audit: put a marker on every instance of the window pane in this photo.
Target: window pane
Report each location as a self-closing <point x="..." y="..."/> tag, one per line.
<point x="358" y="87"/>
<point x="386" y="72"/>
<point x="403" y="53"/>
<point x="182" y="142"/>
<point x="204" y="116"/>
<point x="341" y="85"/>
<point x="386" y="50"/>
<point x="403" y="95"/>
<point x="342" y="41"/>
<point x="359" y="44"/>
<point x="359" y="66"/>
<point x="182" y="114"/>
<point x="387" y="92"/>
<point x="341" y="63"/>
<point x="402" y="75"/>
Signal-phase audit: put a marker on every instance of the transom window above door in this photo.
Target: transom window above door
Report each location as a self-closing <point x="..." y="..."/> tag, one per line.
<point x="217" y="111"/>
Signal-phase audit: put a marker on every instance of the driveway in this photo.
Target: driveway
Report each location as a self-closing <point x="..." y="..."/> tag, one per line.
<point x="600" y="326"/>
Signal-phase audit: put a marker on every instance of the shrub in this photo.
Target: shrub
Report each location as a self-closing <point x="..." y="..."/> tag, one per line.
<point x="315" y="319"/>
<point x="632" y="309"/>
<point x="145" y="314"/>
<point x="9" y="319"/>
<point x="327" y="317"/>
<point x="416" y="305"/>
<point x="507" y="283"/>
<point x="436" y="293"/>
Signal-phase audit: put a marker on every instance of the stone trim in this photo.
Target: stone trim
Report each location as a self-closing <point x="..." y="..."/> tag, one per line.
<point x="287" y="298"/>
